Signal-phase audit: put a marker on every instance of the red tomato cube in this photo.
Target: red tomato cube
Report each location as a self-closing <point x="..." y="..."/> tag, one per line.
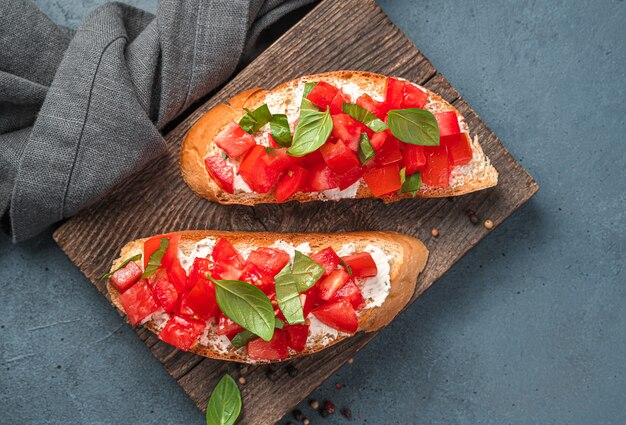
<point x="362" y="264"/>
<point x="339" y="315"/>
<point x="330" y="284"/>
<point x="125" y="277"/>
<point x="225" y="326"/>
<point x="234" y="141"/>
<point x="275" y="349"/>
<point x="164" y="290"/>
<point x="448" y="123"/>
<point x="375" y="107"/>
<point x="328" y="259"/>
<point x="414" y="158"/>
<point x="383" y="181"/>
<point x="322" y="94"/>
<point x="225" y="253"/>
<point x="290" y="183"/>
<point x="436" y="172"/>
<point x="297" y="336"/>
<point x="338" y="101"/>
<point x="352" y="293"/>
<point x="348" y="130"/>
<point x="394" y="97"/>
<point x="348" y="179"/>
<point x="414" y="97"/>
<point x="310" y="300"/>
<point x="338" y="157"/>
<point x="269" y="260"/>
<point x="389" y="152"/>
<point x="198" y="271"/>
<point x="138" y="302"/>
<point x="181" y="331"/>
<point x="221" y="173"/>
<point x="459" y="148"/>
<point x="200" y="301"/>
<point x="321" y="178"/>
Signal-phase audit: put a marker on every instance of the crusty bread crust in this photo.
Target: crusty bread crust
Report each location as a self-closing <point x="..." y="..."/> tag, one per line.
<point x="478" y="174"/>
<point x="408" y="259"/>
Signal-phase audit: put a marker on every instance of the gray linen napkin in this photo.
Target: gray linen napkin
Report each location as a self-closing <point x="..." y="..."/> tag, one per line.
<point x="80" y="111"/>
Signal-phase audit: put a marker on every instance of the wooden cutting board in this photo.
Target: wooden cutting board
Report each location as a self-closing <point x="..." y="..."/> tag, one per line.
<point x="350" y="34"/>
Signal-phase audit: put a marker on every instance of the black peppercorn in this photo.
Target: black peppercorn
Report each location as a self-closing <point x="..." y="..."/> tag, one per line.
<point x="474" y="219"/>
<point x="297" y="415"/>
<point x="292" y="371"/>
<point x="347" y="413"/>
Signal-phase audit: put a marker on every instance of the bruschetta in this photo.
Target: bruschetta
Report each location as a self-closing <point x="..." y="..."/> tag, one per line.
<point x="264" y="297"/>
<point x="342" y="134"/>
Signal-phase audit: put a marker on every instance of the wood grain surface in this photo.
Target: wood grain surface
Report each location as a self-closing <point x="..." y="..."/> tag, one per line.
<point x="350" y="34"/>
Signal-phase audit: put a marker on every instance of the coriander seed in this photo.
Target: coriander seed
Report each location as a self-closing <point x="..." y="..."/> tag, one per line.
<point x="488" y="224"/>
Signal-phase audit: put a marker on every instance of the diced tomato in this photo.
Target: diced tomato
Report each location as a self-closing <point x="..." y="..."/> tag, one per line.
<point x="375" y="107"/>
<point x="200" y="300"/>
<point x="290" y="183"/>
<point x="250" y="159"/>
<point x="414" y="158"/>
<point x="225" y="253"/>
<point x="154" y="243"/>
<point x="221" y="173"/>
<point x="310" y="300"/>
<point x="436" y="172"/>
<point x="448" y="123"/>
<point x="225" y="326"/>
<point x="414" y="97"/>
<point x="275" y="349"/>
<point x="269" y="260"/>
<point x="225" y="271"/>
<point x="378" y="140"/>
<point x="312" y="159"/>
<point x="164" y="290"/>
<point x="338" y="101"/>
<point x="171" y="254"/>
<point x="198" y="271"/>
<point x="394" y="97"/>
<point x="270" y="140"/>
<point x="260" y="169"/>
<point x="297" y="336"/>
<point x="254" y="275"/>
<point x="338" y="157"/>
<point x="331" y="283"/>
<point x="150" y="246"/>
<point x="348" y="130"/>
<point x="459" y="148"/>
<point x="362" y="264"/>
<point x="348" y="179"/>
<point x="234" y="141"/>
<point x="322" y="94"/>
<point x="279" y="160"/>
<point x="384" y="180"/>
<point x="321" y="178"/>
<point x="138" y="302"/>
<point x="327" y="258"/>
<point x="177" y="275"/>
<point x="389" y="152"/>
<point x="182" y="331"/>
<point x="339" y="315"/>
<point x="352" y="293"/>
<point x="125" y="277"/>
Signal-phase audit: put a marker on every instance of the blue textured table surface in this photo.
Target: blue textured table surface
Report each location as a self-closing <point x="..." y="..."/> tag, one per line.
<point x="530" y="327"/>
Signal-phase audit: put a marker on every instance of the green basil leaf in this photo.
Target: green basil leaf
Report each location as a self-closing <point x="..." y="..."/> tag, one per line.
<point x="305" y="271"/>
<point x="410" y="184"/>
<point x="311" y="132"/>
<point x="366" y="151"/>
<point x="154" y="262"/>
<point x="121" y="266"/>
<point x="346" y="266"/>
<point x="224" y="155"/>
<point x="279" y="125"/>
<point x="246" y="305"/>
<point x="288" y="296"/>
<point x="414" y="126"/>
<point x="224" y="405"/>
<point x="363" y="115"/>
<point x="306" y="104"/>
<point x="254" y="120"/>
<point x="245" y="336"/>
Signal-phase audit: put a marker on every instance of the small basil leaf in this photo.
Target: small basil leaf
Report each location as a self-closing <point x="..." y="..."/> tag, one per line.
<point x="366" y="151"/>
<point x="288" y="296"/>
<point x="410" y="184"/>
<point x="245" y="336"/>
<point x="414" y="126"/>
<point x="224" y="405"/>
<point x="246" y="305"/>
<point x="306" y="104"/>
<point x="305" y="271"/>
<point x="311" y="132"/>
<point x="346" y="266"/>
<point x="363" y="115"/>
<point x="279" y="125"/>
<point x="121" y="266"/>
<point x="254" y="120"/>
<point x="154" y="262"/>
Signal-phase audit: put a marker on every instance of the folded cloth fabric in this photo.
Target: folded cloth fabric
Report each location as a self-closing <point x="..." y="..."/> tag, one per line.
<point x="80" y="111"/>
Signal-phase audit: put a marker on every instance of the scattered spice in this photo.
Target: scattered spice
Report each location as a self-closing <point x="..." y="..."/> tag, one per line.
<point x="488" y="224"/>
<point x="292" y="371"/>
<point x="347" y="413"/>
<point x="242" y="380"/>
<point x="434" y="232"/>
<point x="243" y="369"/>
<point x="306" y="421"/>
<point x="329" y="406"/>
<point x="338" y="386"/>
<point x="350" y="360"/>
<point x="314" y="404"/>
<point x="297" y="415"/>
<point x="474" y="219"/>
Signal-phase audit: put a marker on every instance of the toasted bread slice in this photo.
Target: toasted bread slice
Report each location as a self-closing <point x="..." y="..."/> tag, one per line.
<point x="198" y="143"/>
<point x="407" y="258"/>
